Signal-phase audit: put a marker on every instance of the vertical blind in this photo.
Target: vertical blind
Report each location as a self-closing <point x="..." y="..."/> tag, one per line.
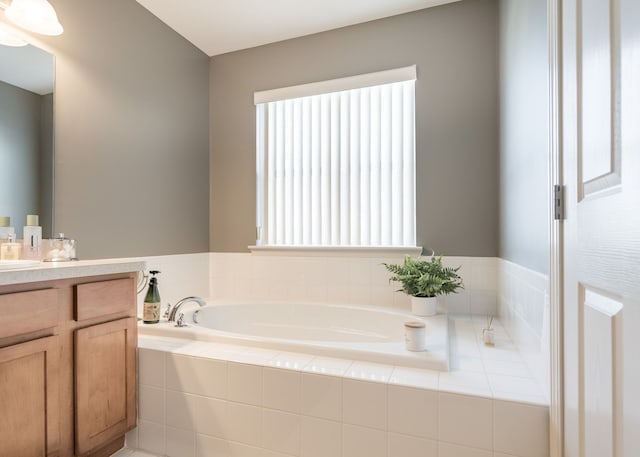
<point x="338" y="168"/>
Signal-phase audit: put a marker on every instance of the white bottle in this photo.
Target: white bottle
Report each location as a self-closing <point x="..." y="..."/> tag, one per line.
<point x="32" y="238"/>
<point x="5" y="228"/>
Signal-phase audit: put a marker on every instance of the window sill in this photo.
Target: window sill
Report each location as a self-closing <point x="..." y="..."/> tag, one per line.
<point x="336" y="251"/>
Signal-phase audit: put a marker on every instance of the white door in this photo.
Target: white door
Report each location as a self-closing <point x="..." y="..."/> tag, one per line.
<point x="601" y="169"/>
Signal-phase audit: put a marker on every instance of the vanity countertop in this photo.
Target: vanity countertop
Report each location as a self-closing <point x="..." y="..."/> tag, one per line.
<point x="48" y="271"/>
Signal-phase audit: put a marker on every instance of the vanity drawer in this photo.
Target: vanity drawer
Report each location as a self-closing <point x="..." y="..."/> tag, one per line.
<point x="104" y="298"/>
<point x="27" y="312"/>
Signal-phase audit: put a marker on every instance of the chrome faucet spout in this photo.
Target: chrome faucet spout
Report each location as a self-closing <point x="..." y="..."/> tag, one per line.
<point x="178" y="305"/>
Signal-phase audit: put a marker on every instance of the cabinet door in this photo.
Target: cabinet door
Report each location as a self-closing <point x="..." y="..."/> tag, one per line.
<point x="105" y="376"/>
<point x="29" y="396"/>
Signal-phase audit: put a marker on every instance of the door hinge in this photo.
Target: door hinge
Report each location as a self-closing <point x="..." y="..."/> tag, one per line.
<point x="558" y="202"/>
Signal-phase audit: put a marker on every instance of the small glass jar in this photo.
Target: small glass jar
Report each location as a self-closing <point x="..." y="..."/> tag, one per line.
<point x="60" y="249"/>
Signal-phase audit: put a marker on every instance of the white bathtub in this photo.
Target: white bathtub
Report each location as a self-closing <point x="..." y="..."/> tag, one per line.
<point x="365" y="333"/>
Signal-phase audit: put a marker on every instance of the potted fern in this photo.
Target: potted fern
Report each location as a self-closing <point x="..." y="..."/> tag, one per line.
<point x="424" y="280"/>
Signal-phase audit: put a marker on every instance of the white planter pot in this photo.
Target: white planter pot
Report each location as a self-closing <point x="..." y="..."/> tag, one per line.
<point x="424" y="306"/>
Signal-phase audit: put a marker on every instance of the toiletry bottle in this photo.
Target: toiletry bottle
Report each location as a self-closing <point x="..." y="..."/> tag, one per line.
<point x="10" y="250"/>
<point x="151" y="308"/>
<point x="5" y="228"/>
<point x="32" y="238"/>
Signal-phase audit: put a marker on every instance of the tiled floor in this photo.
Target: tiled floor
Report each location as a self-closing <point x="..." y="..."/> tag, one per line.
<point x="132" y="453"/>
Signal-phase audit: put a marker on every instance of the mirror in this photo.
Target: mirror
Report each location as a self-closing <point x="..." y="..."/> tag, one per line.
<point x="26" y="136"/>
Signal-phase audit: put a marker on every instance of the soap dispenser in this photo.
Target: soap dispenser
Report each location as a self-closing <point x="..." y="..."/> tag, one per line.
<point x="5" y="228"/>
<point x="151" y="308"/>
<point x="32" y="238"/>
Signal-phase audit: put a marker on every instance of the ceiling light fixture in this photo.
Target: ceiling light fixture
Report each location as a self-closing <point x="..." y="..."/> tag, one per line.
<point x="9" y="38"/>
<point x="37" y="16"/>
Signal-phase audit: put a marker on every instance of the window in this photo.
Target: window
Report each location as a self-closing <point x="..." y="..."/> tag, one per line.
<point x="336" y="162"/>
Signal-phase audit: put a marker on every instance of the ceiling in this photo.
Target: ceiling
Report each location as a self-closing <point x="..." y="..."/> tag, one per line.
<point x="220" y="26"/>
<point x="27" y="67"/>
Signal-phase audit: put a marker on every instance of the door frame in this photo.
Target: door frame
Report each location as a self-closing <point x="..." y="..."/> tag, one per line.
<point x="556" y="264"/>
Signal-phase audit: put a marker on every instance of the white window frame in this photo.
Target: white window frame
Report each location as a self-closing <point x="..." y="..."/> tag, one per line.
<point x="330" y="88"/>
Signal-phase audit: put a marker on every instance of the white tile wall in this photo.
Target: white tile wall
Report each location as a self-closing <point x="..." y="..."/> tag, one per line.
<point x="282" y="389"/>
<point x="363" y="442"/>
<point x="368" y="410"/>
<point x="321" y="396"/>
<point x="347" y="279"/>
<point x="151" y="368"/>
<point x="410" y="446"/>
<point x="453" y="450"/>
<point x="523" y="303"/>
<point x="180" y="443"/>
<point x="245" y="383"/>
<point x="242" y="423"/>
<point x="151" y="400"/>
<point x="207" y="378"/>
<point x="208" y="446"/>
<point x="511" y="437"/>
<point x="465" y="420"/>
<point x="320" y="437"/>
<point x="181" y="276"/>
<point x="364" y="403"/>
<point x="151" y="436"/>
<point x="281" y="431"/>
<point x="413" y="411"/>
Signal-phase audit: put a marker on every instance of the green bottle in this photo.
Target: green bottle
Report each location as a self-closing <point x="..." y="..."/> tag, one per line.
<point x="151" y="308"/>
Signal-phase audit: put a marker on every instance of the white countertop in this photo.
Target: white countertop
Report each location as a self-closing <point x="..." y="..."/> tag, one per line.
<point x="48" y="271"/>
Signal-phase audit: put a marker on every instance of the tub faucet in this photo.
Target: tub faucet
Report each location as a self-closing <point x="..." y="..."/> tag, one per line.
<point x="176" y="307"/>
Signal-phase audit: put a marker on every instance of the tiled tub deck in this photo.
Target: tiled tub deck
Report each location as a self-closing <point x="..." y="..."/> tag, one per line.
<point x="203" y="399"/>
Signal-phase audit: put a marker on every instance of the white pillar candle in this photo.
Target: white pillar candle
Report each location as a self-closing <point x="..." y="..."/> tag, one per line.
<point x="415" y="335"/>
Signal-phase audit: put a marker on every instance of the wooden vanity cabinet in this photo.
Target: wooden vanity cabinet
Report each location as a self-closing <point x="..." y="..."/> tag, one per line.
<point x="29" y="374"/>
<point x="105" y="378"/>
<point x="68" y="366"/>
<point x="105" y="340"/>
<point x="29" y="395"/>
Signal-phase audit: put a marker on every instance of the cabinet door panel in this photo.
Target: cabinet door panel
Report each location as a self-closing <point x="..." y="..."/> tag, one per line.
<point x="105" y="382"/>
<point x="29" y="396"/>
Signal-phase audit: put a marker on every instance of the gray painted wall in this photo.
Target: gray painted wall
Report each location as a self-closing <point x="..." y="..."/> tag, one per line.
<point x="131" y="132"/>
<point x="524" y="161"/>
<point x="22" y="143"/>
<point x="456" y="51"/>
<point x="132" y="124"/>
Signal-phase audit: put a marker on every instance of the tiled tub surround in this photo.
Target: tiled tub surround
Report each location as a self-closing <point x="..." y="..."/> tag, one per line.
<point x="492" y="286"/>
<point x="489" y="396"/>
<point x="523" y="307"/>
<point x="201" y="399"/>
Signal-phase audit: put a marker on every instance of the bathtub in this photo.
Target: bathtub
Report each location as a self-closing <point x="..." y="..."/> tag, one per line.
<point x="363" y="333"/>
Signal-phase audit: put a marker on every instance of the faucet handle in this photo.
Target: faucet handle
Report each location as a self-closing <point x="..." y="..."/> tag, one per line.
<point x="167" y="311"/>
<point x="180" y="321"/>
